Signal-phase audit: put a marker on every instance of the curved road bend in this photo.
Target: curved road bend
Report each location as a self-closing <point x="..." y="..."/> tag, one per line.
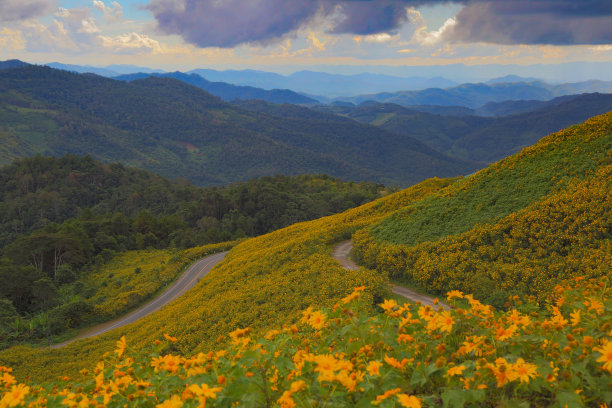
<point x="341" y="254"/>
<point x="188" y="280"/>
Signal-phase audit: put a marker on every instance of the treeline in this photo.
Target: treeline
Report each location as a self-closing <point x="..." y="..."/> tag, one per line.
<point x="60" y="217"/>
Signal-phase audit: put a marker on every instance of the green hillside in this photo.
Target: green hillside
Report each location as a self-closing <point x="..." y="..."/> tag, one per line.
<point x="524" y="225"/>
<point x="474" y="137"/>
<point x="515" y="228"/>
<point x="177" y="130"/>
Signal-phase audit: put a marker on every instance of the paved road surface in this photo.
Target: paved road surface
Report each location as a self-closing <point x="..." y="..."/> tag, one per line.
<point x="188" y="279"/>
<point x="341" y="254"/>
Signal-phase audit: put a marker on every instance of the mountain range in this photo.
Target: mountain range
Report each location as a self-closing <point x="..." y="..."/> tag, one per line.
<point x="476" y="95"/>
<point x="480" y="138"/>
<point x="178" y="130"/>
<point x="309" y="87"/>
<point x="229" y="92"/>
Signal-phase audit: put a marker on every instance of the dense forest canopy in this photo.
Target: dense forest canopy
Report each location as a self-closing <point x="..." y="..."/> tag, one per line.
<point x="59" y="217"/>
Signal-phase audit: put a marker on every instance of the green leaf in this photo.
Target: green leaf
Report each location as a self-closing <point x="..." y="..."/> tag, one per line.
<point x="569" y="399"/>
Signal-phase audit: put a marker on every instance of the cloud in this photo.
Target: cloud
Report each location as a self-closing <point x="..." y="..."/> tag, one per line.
<point x="227" y="23"/>
<point x="71" y="31"/>
<point x="370" y="17"/>
<point x="560" y="22"/>
<point x="17" y="10"/>
<point x="11" y="40"/>
<point x="111" y="13"/>
<point x="132" y="43"/>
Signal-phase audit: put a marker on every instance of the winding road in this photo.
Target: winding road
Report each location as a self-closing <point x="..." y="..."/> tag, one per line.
<point x="188" y="280"/>
<point x="201" y="268"/>
<point x="342" y="254"/>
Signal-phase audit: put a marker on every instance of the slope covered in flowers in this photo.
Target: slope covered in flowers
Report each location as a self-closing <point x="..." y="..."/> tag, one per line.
<point x="409" y="356"/>
<point x="554" y="352"/>
<point x="263" y="282"/>
<point x="517" y="228"/>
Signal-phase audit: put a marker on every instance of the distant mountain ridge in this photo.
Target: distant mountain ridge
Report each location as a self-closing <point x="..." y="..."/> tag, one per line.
<point x="326" y="84"/>
<point x="229" y="92"/>
<point x="480" y="138"/>
<point x="108" y="71"/>
<point x="178" y="130"/>
<point x="10" y="64"/>
<point x="476" y="95"/>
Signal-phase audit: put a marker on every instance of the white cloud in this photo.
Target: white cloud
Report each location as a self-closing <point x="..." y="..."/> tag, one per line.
<point x="11" y="40"/>
<point x="111" y="13"/>
<point x="426" y="38"/>
<point x="132" y="43"/>
<point x="375" y="38"/>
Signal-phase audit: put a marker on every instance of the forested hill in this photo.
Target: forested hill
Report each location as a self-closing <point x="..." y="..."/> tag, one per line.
<point x="178" y="130"/>
<point x="474" y="137"/>
<point x="229" y="92"/>
<point x="40" y="191"/>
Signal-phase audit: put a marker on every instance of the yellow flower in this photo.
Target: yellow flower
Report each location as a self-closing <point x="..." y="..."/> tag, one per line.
<point x="168" y="363"/>
<point x="523" y="371"/>
<point x="121" y="345"/>
<point x="374" y="368"/>
<point x="606" y="355"/>
<point x="170" y="338"/>
<point x="286" y="401"/>
<point x="317" y="320"/>
<point x="575" y="317"/>
<point x="204" y="390"/>
<point x="454" y="294"/>
<point x="458" y="370"/>
<point x="297" y="386"/>
<point x="355" y="295"/>
<point x="387" y="394"/>
<point x="594" y="304"/>
<point x="173" y="402"/>
<point x="388" y="305"/>
<point x="445" y="322"/>
<point x="409" y="401"/>
<point x="504" y="334"/>
<point x="239" y="333"/>
<point x="7" y="379"/>
<point x="15" y="396"/>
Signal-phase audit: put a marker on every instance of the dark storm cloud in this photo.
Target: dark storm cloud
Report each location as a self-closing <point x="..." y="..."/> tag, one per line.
<point x="534" y="22"/>
<point x="371" y="17"/>
<point x="16" y="10"/>
<point x="226" y="23"/>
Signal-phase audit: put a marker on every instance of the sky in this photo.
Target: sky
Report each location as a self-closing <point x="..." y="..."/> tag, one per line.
<point x="290" y="35"/>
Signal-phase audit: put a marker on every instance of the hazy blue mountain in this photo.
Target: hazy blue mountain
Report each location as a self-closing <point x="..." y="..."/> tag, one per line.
<point x="108" y="71"/>
<point x="81" y="69"/>
<point x="124" y="69"/>
<point x="582" y="87"/>
<point x="511" y="78"/>
<point x="479" y="94"/>
<point x="444" y="110"/>
<point x="247" y="77"/>
<point x="321" y="83"/>
<point x="9" y="64"/>
<point x="229" y="92"/>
